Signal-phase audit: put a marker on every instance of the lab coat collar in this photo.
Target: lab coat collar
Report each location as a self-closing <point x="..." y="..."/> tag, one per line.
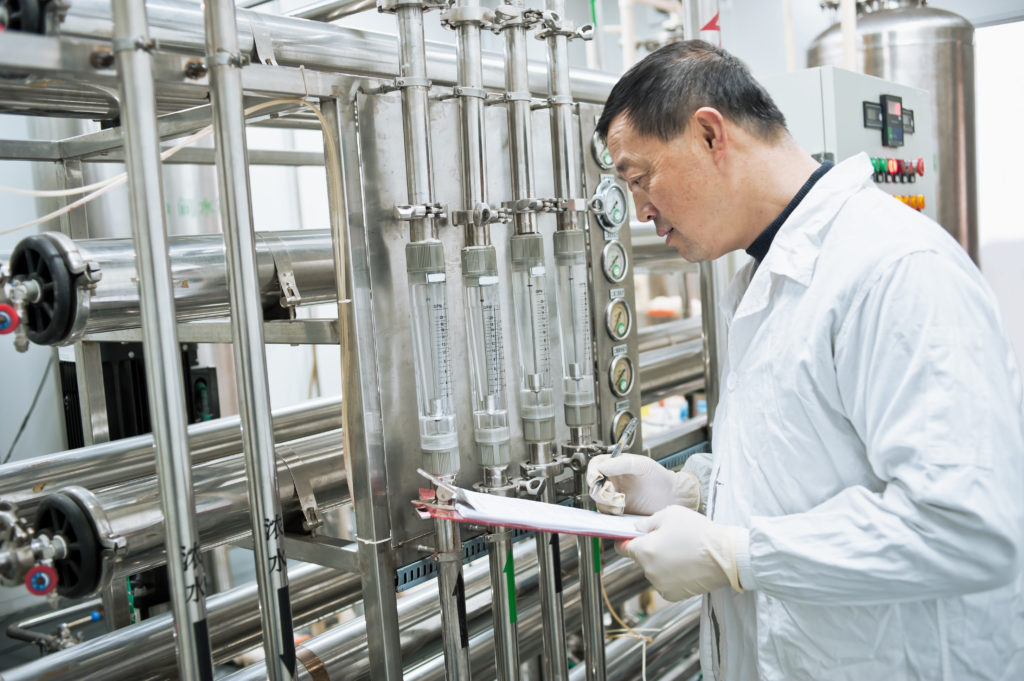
<point x="794" y="252"/>
<point x="798" y="243"/>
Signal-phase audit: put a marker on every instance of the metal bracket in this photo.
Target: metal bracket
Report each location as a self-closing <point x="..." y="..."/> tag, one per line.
<point x="554" y="26"/>
<point x="423" y="211"/>
<point x="311" y="518"/>
<point x="290" y="295"/>
<point x="263" y="44"/>
<point x="482" y="214"/>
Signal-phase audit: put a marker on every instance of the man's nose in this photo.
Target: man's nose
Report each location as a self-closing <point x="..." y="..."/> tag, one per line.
<point x="646" y="211"/>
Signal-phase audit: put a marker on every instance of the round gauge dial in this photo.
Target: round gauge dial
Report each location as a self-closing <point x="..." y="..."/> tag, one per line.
<point x="609" y="204"/>
<point x="619" y="423"/>
<point x="614" y="262"/>
<point x="601" y="153"/>
<point x="618" y="319"/>
<point x="621" y="375"/>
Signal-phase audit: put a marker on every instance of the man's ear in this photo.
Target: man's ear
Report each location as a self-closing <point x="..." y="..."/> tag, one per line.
<point x="709" y="125"/>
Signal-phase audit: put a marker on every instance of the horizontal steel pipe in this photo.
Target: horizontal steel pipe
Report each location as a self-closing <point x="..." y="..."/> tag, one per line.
<point x="75" y="305"/>
<point x="671" y="367"/>
<point x="131" y="511"/>
<point x="145" y="651"/>
<point x="25" y="482"/>
<point x="669" y="333"/>
<point x="178" y="25"/>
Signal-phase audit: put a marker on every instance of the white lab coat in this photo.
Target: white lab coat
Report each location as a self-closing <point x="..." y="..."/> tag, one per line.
<point x="870" y="434"/>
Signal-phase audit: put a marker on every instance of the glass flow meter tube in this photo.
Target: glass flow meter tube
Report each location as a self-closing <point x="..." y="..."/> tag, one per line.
<point x="432" y="356"/>
<point x="574" y="325"/>
<point x="530" y="297"/>
<point x="486" y="354"/>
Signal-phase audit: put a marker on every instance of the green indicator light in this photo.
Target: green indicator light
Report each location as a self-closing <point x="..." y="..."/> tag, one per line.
<point x="616" y="269"/>
<point x="616" y="214"/>
<point x="621" y="328"/>
<point x="622" y="385"/>
<point x="597" y="555"/>
<point x="607" y="156"/>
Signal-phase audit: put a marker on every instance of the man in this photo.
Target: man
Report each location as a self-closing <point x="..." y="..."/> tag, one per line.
<point x="864" y="502"/>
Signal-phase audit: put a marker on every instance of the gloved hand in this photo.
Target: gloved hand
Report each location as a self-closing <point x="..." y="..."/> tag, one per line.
<point x="684" y="554"/>
<point x="639" y="485"/>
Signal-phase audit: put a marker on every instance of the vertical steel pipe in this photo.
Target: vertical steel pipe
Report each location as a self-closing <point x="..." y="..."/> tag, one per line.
<point x="520" y="134"/>
<point x="225" y="62"/>
<point x="432" y="344"/>
<point x="364" y="453"/>
<point x="164" y="379"/>
<point x="714" y="335"/>
<point x="565" y="151"/>
<point x="483" y="318"/>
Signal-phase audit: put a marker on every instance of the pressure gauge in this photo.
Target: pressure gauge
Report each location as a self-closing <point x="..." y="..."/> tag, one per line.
<point x="621" y="375"/>
<point x="619" y="423"/>
<point x="618" y="319"/>
<point x="609" y="204"/>
<point x="601" y="153"/>
<point x="613" y="261"/>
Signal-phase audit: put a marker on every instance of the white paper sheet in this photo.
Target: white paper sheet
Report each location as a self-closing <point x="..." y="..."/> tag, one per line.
<point x="489" y="509"/>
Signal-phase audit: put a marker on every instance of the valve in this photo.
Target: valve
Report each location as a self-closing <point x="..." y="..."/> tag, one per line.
<point x="9" y="319"/>
<point x="41" y="580"/>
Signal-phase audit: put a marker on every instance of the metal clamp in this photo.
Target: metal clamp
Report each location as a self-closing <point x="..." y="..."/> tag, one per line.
<point x="530" y="486"/>
<point x="510" y="16"/>
<point x="555" y="25"/>
<point x="543" y="470"/>
<point x="423" y="211"/>
<point x="392" y="6"/>
<point x="263" y="44"/>
<point x="227" y="59"/>
<point x="482" y="214"/>
<point x="462" y="16"/>
<point x="133" y="44"/>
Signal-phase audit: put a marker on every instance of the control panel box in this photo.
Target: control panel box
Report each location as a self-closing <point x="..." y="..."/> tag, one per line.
<point x="835" y="114"/>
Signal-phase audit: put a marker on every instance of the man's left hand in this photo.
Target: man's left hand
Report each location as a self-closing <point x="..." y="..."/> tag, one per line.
<point x="684" y="554"/>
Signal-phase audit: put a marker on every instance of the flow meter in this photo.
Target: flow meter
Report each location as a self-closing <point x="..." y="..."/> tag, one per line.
<point x="609" y="204"/>
<point x="619" y="423"/>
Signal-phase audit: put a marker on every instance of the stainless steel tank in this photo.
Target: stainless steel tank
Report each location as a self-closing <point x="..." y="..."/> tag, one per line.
<point x="907" y="42"/>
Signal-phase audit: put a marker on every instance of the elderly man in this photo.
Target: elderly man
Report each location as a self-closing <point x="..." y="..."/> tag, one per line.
<point x="864" y="497"/>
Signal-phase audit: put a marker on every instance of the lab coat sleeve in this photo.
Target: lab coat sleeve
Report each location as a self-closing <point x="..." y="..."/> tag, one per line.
<point x="930" y="385"/>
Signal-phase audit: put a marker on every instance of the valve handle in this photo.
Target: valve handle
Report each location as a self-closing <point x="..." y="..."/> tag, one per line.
<point x="9" y="319"/>
<point x="41" y="580"/>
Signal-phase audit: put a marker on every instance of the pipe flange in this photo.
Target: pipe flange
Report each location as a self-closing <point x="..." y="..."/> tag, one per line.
<point x="523" y="206"/>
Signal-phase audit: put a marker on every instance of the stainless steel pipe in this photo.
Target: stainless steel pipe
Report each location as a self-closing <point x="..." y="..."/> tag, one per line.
<point x="145" y="651"/>
<point x="197" y="270"/>
<point x="26" y="481"/>
<point x="164" y="380"/>
<point x="669" y="368"/>
<point x="132" y="512"/>
<point x="225" y="63"/>
<point x="178" y="25"/>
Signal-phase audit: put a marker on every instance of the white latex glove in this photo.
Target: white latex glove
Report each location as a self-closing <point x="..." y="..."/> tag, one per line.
<point x="684" y="554"/>
<point x="639" y="485"/>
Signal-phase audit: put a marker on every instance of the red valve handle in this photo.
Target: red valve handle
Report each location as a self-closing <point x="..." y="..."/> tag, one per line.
<point x="9" y="319"/>
<point x="41" y="580"/>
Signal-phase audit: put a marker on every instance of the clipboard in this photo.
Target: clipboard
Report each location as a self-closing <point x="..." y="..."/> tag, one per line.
<point x="526" y="514"/>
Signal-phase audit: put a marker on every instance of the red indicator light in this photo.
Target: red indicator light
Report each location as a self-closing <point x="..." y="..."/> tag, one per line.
<point x="920" y="166"/>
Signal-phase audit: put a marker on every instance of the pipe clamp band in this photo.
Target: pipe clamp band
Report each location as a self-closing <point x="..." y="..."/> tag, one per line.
<point x="227" y="59"/>
<point x="478" y="93"/>
<point x="133" y="44"/>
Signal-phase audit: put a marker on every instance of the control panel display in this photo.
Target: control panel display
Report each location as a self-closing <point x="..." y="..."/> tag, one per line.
<point x="892" y="121"/>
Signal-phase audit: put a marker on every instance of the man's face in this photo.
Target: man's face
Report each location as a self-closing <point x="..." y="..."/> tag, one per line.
<point x="674" y="184"/>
